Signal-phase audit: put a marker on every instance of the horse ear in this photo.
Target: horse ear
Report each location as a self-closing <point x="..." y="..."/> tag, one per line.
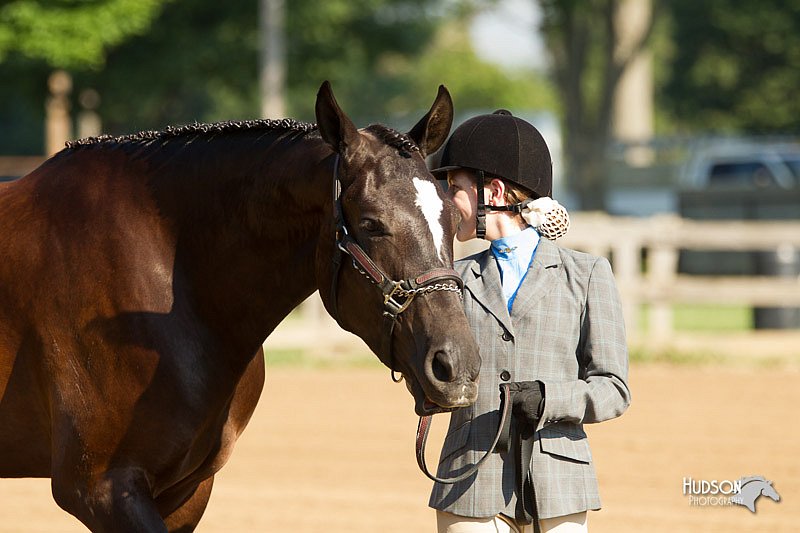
<point x="335" y="127"/>
<point x="432" y="129"/>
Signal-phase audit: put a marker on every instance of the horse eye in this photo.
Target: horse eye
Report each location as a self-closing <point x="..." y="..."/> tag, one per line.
<point x="372" y="226"/>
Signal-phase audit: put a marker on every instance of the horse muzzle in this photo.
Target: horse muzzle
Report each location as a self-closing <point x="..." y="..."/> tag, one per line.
<point x="453" y="397"/>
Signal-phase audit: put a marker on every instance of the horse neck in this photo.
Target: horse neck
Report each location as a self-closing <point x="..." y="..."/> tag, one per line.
<point x="752" y="488"/>
<point x="247" y="235"/>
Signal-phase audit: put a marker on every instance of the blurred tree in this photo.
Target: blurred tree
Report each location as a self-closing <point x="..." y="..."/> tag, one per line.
<point x="71" y="33"/>
<point x="39" y="35"/>
<point x="399" y="83"/>
<point x="360" y="46"/>
<point x="736" y="66"/>
<point x="198" y="62"/>
<point x="23" y="90"/>
<point x="583" y="38"/>
<point x="475" y="84"/>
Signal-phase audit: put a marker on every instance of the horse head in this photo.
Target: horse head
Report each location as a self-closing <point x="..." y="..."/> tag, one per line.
<point x="393" y="210"/>
<point x="752" y="488"/>
<point x="769" y="491"/>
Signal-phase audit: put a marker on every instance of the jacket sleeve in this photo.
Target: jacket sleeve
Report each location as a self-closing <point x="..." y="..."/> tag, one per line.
<point x="601" y="392"/>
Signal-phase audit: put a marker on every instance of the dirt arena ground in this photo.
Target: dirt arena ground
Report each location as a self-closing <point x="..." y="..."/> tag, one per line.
<point x="343" y="459"/>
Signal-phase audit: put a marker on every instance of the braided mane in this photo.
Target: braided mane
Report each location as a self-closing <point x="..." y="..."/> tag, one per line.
<point x="390" y="136"/>
<point x="393" y="138"/>
<point x="190" y="130"/>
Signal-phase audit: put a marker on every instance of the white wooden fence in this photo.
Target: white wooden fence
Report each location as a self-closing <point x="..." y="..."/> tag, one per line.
<point x="654" y="280"/>
<point x="658" y="283"/>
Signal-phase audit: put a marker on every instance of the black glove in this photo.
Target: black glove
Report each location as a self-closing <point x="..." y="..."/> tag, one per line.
<point x="527" y="399"/>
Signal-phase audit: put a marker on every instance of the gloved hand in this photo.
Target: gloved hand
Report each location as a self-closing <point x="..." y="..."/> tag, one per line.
<point x="527" y="399"/>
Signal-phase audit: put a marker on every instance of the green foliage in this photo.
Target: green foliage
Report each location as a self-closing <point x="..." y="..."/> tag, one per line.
<point x="362" y="46"/>
<point x="198" y="61"/>
<point x="736" y="65"/>
<point x="22" y="97"/>
<point x="71" y="33"/>
<point x="474" y="83"/>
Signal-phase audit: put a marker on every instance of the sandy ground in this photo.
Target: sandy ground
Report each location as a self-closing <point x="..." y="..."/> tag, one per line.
<point x="343" y="461"/>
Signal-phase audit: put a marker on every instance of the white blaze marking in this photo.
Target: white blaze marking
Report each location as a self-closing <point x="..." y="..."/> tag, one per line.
<point x="431" y="206"/>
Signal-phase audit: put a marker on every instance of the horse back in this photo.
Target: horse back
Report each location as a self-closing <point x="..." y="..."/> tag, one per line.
<point x="82" y="235"/>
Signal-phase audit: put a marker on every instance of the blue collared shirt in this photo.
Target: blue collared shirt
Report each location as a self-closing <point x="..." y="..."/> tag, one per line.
<point x="514" y="255"/>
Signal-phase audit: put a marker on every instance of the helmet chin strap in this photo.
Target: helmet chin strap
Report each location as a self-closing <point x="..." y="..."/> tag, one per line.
<point x="480" y="215"/>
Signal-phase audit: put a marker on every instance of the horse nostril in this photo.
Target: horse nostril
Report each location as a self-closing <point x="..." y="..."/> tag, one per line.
<point x="442" y="366"/>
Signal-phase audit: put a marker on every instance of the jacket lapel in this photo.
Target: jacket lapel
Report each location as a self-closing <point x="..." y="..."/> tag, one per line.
<point x="486" y="288"/>
<point x="542" y="276"/>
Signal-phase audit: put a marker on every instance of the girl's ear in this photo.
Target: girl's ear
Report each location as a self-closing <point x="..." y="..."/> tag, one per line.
<point x="497" y="192"/>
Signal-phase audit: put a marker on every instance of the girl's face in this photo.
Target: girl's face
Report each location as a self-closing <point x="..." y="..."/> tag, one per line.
<point x="463" y="192"/>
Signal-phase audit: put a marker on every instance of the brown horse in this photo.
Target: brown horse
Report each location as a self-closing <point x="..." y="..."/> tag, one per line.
<point x="141" y="274"/>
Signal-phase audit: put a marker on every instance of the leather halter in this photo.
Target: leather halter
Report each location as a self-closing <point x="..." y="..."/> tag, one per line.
<point x="397" y="295"/>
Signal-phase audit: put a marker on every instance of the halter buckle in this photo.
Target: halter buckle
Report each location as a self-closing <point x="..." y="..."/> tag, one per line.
<point x="391" y="306"/>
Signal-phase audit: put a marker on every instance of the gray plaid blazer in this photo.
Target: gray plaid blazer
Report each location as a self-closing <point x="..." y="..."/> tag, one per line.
<point x="565" y="330"/>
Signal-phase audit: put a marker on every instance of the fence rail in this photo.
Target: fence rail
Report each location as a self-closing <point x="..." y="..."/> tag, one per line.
<point x="652" y="277"/>
<point x="644" y="254"/>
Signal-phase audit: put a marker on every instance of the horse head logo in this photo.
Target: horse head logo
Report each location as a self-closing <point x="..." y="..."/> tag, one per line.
<point x="751" y="489"/>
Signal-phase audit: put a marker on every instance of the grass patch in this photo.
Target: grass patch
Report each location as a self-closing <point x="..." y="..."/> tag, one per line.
<point x="640" y="354"/>
<point x="670" y="355"/>
<point x="697" y="317"/>
<point x="297" y="357"/>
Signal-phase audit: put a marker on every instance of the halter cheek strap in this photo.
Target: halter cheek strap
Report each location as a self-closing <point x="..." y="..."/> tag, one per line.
<point x="397" y="295"/>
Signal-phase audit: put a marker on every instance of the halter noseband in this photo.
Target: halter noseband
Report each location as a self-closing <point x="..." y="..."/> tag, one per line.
<point x="397" y="295"/>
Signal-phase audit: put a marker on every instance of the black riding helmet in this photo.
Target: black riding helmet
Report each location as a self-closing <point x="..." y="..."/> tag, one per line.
<point x="502" y="145"/>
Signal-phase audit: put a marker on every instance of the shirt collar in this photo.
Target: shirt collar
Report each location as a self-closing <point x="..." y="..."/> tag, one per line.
<point x="514" y="246"/>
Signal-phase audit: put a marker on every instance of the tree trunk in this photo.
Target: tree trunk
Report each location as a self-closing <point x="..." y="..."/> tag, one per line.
<point x="273" y="58"/>
<point x="586" y="156"/>
<point x="588" y="80"/>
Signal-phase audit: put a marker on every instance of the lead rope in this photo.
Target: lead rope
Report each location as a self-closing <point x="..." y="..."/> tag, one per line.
<point x="502" y="434"/>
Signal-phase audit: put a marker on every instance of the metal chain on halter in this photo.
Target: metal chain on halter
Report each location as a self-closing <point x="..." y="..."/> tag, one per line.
<point x="431" y="288"/>
<point x="409" y="294"/>
<point x="452" y="287"/>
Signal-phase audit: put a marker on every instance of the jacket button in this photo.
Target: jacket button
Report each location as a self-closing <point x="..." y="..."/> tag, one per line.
<point x="507" y="336"/>
<point x="505" y="375"/>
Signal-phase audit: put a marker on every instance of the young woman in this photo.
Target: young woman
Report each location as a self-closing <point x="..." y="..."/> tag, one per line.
<point x="542" y="314"/>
